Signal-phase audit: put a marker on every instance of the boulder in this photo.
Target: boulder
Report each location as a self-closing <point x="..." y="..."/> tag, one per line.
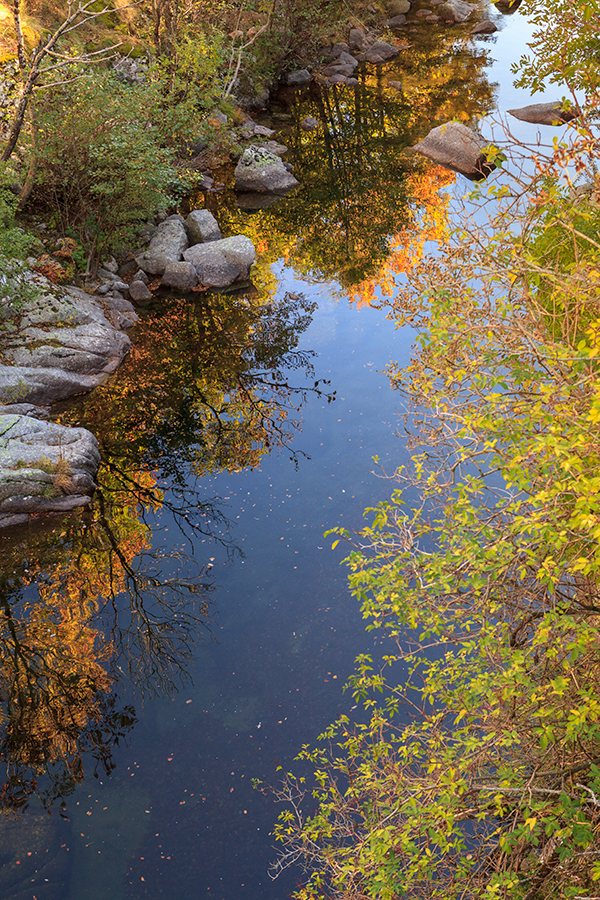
<point x="455" y="11"/>
<point x="339" y="48"/>
<point x="65" y="329"/>
<point x="545" y="113"/>
<point x="380" y="52"/>
<point x="346" y="59"/>
<point x="398" y="8"/>
<point x="139" y="292"/>
<point x="43" y="386"/>
<point x="221" y="263"/>
<point x="456" y="147"/>
<point x="59" y="343"/>
<point x="299" y="77"/>
<point x="201" y="226"/>
<point x="120" y="312"/>
<point x="263" y="131"/>
<point x="44" y="467"/>
<point x="261" y="171"/>
<point x="24" y="409"/>
<point x="140" y="276"/>
<point x="111" y="265"/>
<point x="358" y="40"/>
<point x="275" y="147"/>
<point x="395" y="24"/>
<point x="337" y="69"/>
<point x="168" y="243"/>
<point x="180" y="275"/>
<point x="485" y="27"/>
<point x="309" y="123"/>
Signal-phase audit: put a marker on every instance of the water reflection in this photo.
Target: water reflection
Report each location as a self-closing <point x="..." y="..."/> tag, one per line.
<point x="208" y="386"/>
<point x="360" y="185"/>
<point x="84" y="604"/>
<point x="99" y="603"/>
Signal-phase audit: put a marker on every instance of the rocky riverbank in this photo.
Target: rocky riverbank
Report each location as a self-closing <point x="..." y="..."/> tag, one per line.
<point x="56" y="342"/>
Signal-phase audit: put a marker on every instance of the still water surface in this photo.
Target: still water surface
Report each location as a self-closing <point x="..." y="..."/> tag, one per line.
<point x="237" y="432"/>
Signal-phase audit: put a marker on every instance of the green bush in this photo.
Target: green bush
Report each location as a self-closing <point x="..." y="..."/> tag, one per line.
<point x="101" y="168"/>
<point x="186" y="86"/>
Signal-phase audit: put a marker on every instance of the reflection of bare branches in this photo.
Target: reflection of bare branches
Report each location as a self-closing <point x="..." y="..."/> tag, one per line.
<point x="154" y="619"/>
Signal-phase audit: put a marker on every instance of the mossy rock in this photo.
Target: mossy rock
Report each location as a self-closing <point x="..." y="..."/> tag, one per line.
<point x="109" y="19"/>
<point x="133" y="51"/>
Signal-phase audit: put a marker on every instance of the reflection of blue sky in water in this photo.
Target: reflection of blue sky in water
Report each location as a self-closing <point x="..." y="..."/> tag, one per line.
<point x="178" y="818"/>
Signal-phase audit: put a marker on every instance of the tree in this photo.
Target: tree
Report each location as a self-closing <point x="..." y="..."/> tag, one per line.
<point x="47" y="58"/>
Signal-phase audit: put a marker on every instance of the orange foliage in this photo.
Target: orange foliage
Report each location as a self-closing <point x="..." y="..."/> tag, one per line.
<point x="429" y="224"/>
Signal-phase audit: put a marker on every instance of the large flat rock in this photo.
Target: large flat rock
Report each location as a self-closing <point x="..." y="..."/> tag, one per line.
<point x="44" y="467"/>
<point x="221" y="263"/>
<point x="544" y="113"/>
<point x="56" y="342"/>
<point x="456" y="147"/>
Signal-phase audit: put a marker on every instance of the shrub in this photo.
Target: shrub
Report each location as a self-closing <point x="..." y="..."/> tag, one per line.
<point x="100" y="169"/>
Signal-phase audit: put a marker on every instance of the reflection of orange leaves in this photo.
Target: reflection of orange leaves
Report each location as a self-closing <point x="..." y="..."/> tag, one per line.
<point x="429" y="224"/>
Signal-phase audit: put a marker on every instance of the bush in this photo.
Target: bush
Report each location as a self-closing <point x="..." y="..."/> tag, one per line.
<point x="476" y="776"/>
<point x="101" y="169"/>
<point x="186" y="86"/>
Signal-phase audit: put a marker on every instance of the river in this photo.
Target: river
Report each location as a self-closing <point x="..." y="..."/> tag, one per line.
<point x="193" y="629"/>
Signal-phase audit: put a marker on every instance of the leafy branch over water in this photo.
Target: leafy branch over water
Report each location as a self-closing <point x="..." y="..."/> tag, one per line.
<point x="477" y="770"/>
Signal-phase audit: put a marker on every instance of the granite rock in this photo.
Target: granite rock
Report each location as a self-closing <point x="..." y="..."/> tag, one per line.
<point x="222" y="263"/>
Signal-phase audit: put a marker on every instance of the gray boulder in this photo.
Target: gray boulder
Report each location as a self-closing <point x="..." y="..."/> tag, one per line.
<point x="24" y="409"/>
<point x="299" y="77"/>
<point x="485" y="27"/>
<point x="456" y="147"/>
<point x="380" y="52"/>
<point x="309" y="123"/>
<point x="180" y="275"/>
<point x="346" y="59"/>
<point x="201" y="226"/>
<point x="43" y="386"/>
<point x="545" y="113"/>
<point x="358" y="40"/>
<point x="138" y="291"/>
<point x="119" y="311"/>
<point x="44" y="467"/>
<point x="221" y="263"/>
<point x="59" y="343"/>
<point x="168" y="243"/>
<point x="455" y="10"/>
<point x="337" y="69"/>
<point x="275" y="147"/>
<point x="68" y="330"/>
<point x="261" y="171"/>
<point x="396" y="23"/>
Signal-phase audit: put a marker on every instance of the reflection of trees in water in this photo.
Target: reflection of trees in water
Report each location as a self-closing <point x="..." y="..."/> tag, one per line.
<point x="359" y="188"/>
<point x="207" y="387"/>
<point x="89" y="603"/>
